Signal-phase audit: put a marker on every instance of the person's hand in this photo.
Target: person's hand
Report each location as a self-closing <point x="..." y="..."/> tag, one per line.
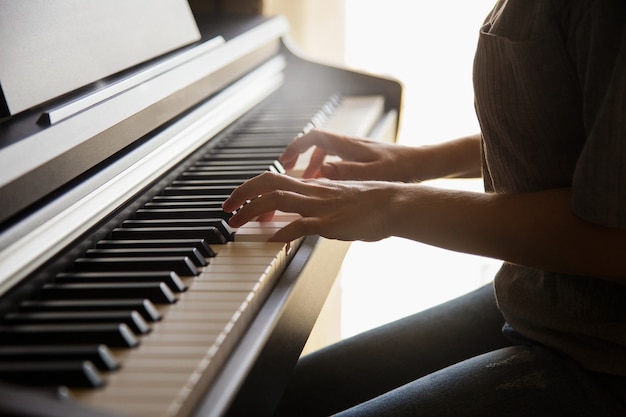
<point x="344" y="210"/>
<point x="361" y="159"/>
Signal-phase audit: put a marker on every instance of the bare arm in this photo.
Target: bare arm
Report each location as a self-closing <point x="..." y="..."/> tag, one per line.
<point x="459" y="158"/>
<point x="537" y="230"/>
<point x="364" y="159"/>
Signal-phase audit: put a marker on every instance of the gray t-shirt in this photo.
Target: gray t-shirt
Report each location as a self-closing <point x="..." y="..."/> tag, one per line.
<point x="550" y="85"/>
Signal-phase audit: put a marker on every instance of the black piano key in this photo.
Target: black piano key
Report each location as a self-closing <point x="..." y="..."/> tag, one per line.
<point x="79" y="374"/>
<point x="283" y="124"/>
<point x="143" y="306"/>
<point x="182" y="204"/>
<point x="231" y="165"/>
<point x="211" y="234"/>
<point x="251" y="157"/>
<point x="132" y="319"/>
<point x="112" y="335"/>
<point x="278" y="168"/>
<point x="219" y="223"/>
<point x="209" y="182"/>
<point x="234" y="150"/>
<point x="226" y="169"/>
<point x="170" y="278"/>
<point x="258" y="141"/>
<point x="224" y="175"/>
<point x="191" y="253"/>
<point x="100" y="355"/>
<point x="206" y="166"/>
<point x="278" y="129"/>
<point x="199" y="244"/>
<point x="156" y="292"/>
<point x="209" y="200"/>
<point x="198" y="189"/>
<point x="181" y="213"/>
<point x="182" y="265"/>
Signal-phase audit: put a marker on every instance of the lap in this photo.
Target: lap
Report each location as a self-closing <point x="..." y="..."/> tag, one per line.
<point x="515" y="381"/>
<point x="387" y="357"/>
<point x="448" y="360"/>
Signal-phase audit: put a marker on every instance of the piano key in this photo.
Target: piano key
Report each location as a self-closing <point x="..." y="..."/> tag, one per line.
<point x="199" y="198"/>
<point x="244" y="141"/>
<point x="218" y="223"/>
<point x="190" y="253"/>
<point x="113" y="335"/>
<point x="278" y="129"/>
<point x="211" y="234"/>
<point x="268" y="157"/>
<point x="144" y="306"/>
<point x="132" y="319"/>
<point x="230" y="162"/>
<point x="208" y="182"/>
<point x="70" y="373"/>
<point x="234" y="150"/>
<point x="196" y="206"/>
<point x="100" y="355"/>
<point x="182" y="265"/>
<point x="201" y="245"/>
<point x="221" y="300"/>
<point x="258" y="231"/>
<point x="198" y="189"/>
<point x="206" y="322"/>
<point x="181" y="213"/>
<point x="225" y="166"/>
<point x="220" y="174"/>
<point x="156" y="292"/>
<point x="182" y="203"/>
<point x="170" y="278"/>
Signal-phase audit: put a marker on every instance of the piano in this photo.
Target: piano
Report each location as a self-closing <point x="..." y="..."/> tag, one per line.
<point x="123" y="291"/>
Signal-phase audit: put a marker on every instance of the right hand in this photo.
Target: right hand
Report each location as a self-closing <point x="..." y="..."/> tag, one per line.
<point x="361" y="159"/>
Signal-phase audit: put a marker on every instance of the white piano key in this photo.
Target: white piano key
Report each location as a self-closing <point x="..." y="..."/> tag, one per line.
<point x="198" y="333"/>
<point x="206" y="323"/>
<point x="355" y="116"/>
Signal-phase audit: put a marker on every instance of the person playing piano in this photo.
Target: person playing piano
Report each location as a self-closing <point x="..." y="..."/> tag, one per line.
<point x="548" y="338"/>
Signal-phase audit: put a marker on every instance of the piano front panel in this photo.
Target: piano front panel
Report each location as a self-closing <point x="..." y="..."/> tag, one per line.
<point x="143" y="322"/>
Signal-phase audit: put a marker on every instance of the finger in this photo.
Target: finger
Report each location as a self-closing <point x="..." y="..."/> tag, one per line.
<point x="315" y="162"/>
<point x="254" y="187"/>
<point x="295" y="230"/>
<point x="286" y="201"/>
<point x="298" y="146"/>
<point x="266" y="217"/>
<point x="314" y="137"/>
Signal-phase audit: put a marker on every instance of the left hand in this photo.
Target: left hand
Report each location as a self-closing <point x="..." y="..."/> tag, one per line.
<point x="344" y="210"/>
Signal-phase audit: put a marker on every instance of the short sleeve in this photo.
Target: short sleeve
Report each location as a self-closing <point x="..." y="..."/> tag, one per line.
<point x="599" y="51"/>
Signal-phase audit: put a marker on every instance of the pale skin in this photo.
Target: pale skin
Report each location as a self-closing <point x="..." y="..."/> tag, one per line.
<point x="373" y="192"/>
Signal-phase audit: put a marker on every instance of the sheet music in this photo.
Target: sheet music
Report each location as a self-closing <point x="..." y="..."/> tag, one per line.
<point x="49" y="49"/>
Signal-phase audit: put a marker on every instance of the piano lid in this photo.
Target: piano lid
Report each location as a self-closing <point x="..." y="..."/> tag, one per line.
<point x="52" y="47"/>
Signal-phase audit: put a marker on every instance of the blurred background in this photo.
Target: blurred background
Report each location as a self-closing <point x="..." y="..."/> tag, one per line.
<point x="429" y="47"/>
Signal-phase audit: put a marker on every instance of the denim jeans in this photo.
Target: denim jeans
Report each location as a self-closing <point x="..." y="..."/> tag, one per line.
<point x="450" y="360"/>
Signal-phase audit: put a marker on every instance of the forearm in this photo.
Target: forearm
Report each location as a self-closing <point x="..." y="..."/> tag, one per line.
<point x="537" y="230"/>
<point x="459" y="158"/>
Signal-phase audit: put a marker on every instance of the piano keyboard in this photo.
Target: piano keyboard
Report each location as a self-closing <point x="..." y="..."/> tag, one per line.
<point x="141" y="322"/>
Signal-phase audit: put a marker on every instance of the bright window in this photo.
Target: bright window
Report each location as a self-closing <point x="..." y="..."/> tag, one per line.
<point x="429" y="46"/>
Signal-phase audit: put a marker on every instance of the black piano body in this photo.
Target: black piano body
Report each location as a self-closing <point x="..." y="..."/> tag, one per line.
<point x="60" y="200"/>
